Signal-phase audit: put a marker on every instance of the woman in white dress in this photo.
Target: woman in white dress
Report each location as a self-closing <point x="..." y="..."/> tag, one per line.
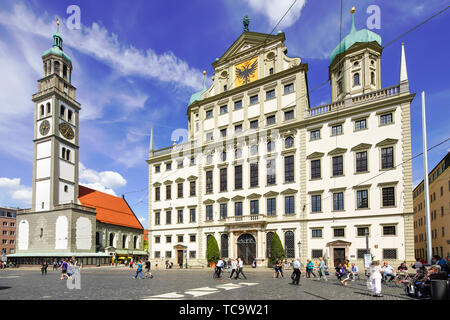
<point x="375" y="278"/>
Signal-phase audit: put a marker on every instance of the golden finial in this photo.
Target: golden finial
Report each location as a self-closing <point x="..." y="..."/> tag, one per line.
<point x="204" y="72"/>
<point x="57" y="23"/>
<point x="352" y="10"/>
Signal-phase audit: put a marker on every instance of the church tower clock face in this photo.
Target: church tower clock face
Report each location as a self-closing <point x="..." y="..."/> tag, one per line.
<point x="44" y="128"/>
<point x="66" y="130"/>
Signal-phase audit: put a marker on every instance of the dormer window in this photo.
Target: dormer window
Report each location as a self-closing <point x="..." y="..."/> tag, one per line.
<point x="356" y="79"/>
<point x="339" y="87"/>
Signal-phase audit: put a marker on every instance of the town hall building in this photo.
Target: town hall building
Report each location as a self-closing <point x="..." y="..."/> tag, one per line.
<point x="260" y="159"/>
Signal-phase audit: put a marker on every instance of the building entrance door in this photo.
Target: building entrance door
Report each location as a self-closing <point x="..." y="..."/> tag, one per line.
<point x="246" y="248"/>
<point x="338" y="256"/>
<point x="180" y="257"/>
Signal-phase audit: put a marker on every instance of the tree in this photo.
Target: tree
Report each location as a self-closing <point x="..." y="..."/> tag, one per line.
<point x="276" y="249"/>
<point x="212" y="252"/>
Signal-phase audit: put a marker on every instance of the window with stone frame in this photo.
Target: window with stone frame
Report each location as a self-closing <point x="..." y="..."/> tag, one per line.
<point x="389" y="254"/>
<point x="254" y="206"/>
<point x="223" y="179"/>
<point x="168" y="217"/>
<point x="316" y="253"/>
<point x="192" y="188"/>
<point x="157" y="193"/>
<point x="192" y="215"/>
<point x="271" y="173"/>
<point x="289" y="244"/>
<point x="254" y="174"/>
<point x="223" y="211"/>
<point x="209" y="181"/>
<point x="168" y="192"/>
<point x="389" y="230"/>
<point x="238" y="209"/>
<point x="238" y="177"/>
<point x="271" y="206"/>
<point x="288" y="88"/>
<point x="362" y="199"/>
<point x="338" y="166"/>
<point x="388" y="196"/>
<point x="339" y="232"/>
<point x="209" y="212"/>
<point x="361" y="231"/>
<point x="387" y="158"/>
<point x="180" y="190"/>
<point x="180" y="216"/>
<point x="157" y="218"/>
<point x="288" y="168"/>
<point x="289" y="205"/>
<point x="361" y="161"/>
<point x="316" y="203"/>
<point x="315" y="169"/>
<point x="338" y="201"/>
<point x="316" y="233"/>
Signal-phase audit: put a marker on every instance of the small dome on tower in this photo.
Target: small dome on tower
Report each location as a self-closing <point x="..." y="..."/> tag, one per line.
<point x="198" y="95"/>
<point x="57" y="48"/>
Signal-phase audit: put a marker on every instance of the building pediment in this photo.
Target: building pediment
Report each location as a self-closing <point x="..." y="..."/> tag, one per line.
<point x="270" y="194"/>
<point x="289" y="191"/>
<point x="157" y="184"/>
<point x="179" y="180"/>
<point x="191" y="178"/>
<point x="339" y="243"/>
<point x="361" y="146"/>
<point x="238" y="198"/>
<point x="208" y="201"/>
<point x="168" y="182"/>
<point x="254" y="196"/>
<point x="223" y="199"/>
<point x="337" y="151"/>
<point x="386" y="142"/>
<point x="315" y="155"/>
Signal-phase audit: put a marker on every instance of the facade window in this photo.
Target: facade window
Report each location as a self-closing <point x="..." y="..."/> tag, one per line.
<point x="254" y="174"/>
<point x="356" y="79"/>
<point x="238" y="153"/>
<point x="362" y="199"/>
<point x="315" y="135"/>
<point x="316" y="203"/>
<point x="289" y="206"/>
<point x="192" y="254"/>
<point x="168" y="217"/>
<point x="254" y="99"/>
<point x="361" y="161"/>
<point x="270" y="71"/>
<point x="157" y="193"/>
<point x="254" y="124"/>
<point x="225" y="87"/>
<point x="209" y="212"/>
<point x="270" y="120"/>
<point x="270" y="146"/>
<point x="238" y="209"/>
<point x="360" y="253"/>
<point x="388" y="197"/>
<point x="254" y="206"/>
<point x="271" y="207"/>
<point x="192" y="162"/>
<point x="180" y="216"/>
<point x="389" y="254"/>
<point x="180" y="239"/>
<point x="209" y="159"/>
<point x="42" y="110"/>
<point x="157" y="219"/>
<point x="62" y="111"/>
<point x="387" y="158"/>
<point x="386" y="118"/>
<point x="224" y="246"/>
<point x="288" y="115"/>
<point x="289" y="244"/>
<point x="238" y="105"/>
<point x="223" y="133"/>
<point x="192" y="238"/>
<point x="338" y="166"/>
<point x="192" y="217"/>
<point x="192" y="188"/>
<point x="223" y="179"/>
<point x="360" y="125"/>
<point x="288" y="88"/>
<point x="49" y="109"/>
<point x="157" y="169"/>
<point x="238" y="128"/>
<point x="339" y="232"/>
<point x="209" y="136"/>
<point x="269" y="236"/>
<point x="168" y="192"/>
<point x="336" y="130"/>
<point x="389" y="231"/>
<point x="238" y="177"/>
<point x="315" y="169"/>
<point x="223" y="156"/>
<point x="361" y="231"/>
<point x="168" y="254"/>
<point x="209" y="114"/>
<point x="223" y="109"/>
<point x="288" y="142"/>
<point x="157" y="239"/>
<point x="69" y="115"/>
<point x="338" y="201"/>
<point x="223" y="211"/>
<point x="270" y="94"/>
<point x="372" y="78"/>
<point x="180" y="190"/>
<point x="289" y="169"/>
<point x="339" y="87"/>
<point x="157" y="254"/>
<point x="180" y="164"/>
<point x="209" y="181"/>
<point x="316" y="233"/>
<point x="316" y="253"/>
<point x="168" y="166"/>
<point x="271" y="173"/>
<point x="254" y="150"/>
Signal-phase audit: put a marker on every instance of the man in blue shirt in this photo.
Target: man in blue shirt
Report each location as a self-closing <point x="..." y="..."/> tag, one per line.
<point x="297" y="266"/>
<point x="354" y="271"/>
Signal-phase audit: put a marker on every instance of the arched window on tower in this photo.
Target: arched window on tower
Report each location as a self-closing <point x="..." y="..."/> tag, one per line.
<point x="69" y="115"/>
<point x="67" y="155"/>
<point x="372" y="78"/>
<point x="65" y="72"/>
<point x="63" y="153"/>
<point x="63" y="111"/>
<point x="49" y="108"/>
<point x="56" y="67"/>
<point x="42" y="110"/>
<point x="356" y="79"/>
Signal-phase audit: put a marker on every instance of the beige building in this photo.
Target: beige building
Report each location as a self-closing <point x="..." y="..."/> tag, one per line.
<point x="439" y="185"/>
<point x="260" y="159"/>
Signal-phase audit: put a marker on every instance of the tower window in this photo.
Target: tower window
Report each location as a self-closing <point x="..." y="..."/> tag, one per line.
<point x="69" y="115"/>
<point x="42" y="109"/>
<point x="66" y="188"/>
<point x="68" y="155"/>
<point x="271" y="71"/>
<point x="49" y="109"/>
<point x="65" y="72"/>
<point x="339" y="87"/>
<point x="356" y="64"/>
<point x="63" y="111"/>
<point x="356" y="79"/>
<point x="63" y="154"/>
<point x="372" y="78"/>
<point x="225" y="88"/>
<point x="56" y="67"/>
<point x="42" y="233"/>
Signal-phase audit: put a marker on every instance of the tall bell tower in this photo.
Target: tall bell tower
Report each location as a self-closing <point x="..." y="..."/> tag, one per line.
<point x="56" y="118"/>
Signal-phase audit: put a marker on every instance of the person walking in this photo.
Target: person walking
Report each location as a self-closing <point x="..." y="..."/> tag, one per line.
<point x="297" y="272"/>
<point x="70" y="268"/>
<point x="310" y="269"/>
<point x="147" y="269"/>
<point x="241" y="269"/>
<point x="346" y="275"/>
<point x="229" y="265"/>
<point x="55" y="265"/>
<point x="321" y="267"/>
<point x="234" y="267"/>
<point x="375" y="278"/>
<point x="220" y="264"/>
<point x="63" y="268"/>
<point x="44" y="267"/>
<point x="138" y="269"/>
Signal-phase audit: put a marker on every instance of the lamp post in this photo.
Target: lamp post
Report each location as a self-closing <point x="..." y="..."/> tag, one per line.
<point x="299" y="244"/>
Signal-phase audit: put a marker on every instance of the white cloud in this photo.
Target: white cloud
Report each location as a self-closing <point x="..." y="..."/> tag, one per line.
<point x="104" y="181"/>
<point x="98" y="42"/>
<point x="141" y="219"/>
<point x="12" y="192"/>
<point x="274" y="10"/>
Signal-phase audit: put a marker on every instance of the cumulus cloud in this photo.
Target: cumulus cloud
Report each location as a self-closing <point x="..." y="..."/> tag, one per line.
<point x="274" y="10"/>
<point x="13" y="193"/>
<point x="104" y="181"/>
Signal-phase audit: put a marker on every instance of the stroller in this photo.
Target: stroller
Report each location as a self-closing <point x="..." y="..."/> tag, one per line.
<point x="415" y="286"/>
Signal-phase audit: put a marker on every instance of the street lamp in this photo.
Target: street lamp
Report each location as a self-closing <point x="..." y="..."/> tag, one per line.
<point x="299" y="244"/>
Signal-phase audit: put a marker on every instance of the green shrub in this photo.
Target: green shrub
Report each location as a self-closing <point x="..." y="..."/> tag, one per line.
<point x="276" y="250"/>
<point x="212" y="252"/>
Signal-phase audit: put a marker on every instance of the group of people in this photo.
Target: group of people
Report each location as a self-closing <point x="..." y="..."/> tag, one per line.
<point x="139" y="266"/>
<point x="4" y="264"/>
<point x="319" y="266"/>
<point x="234" y="266"/>
<point x="345" y="272"/>
<point x="68" y="268"/>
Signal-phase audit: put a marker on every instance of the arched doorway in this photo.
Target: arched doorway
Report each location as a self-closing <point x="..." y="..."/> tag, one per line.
<point x="246" y="248"/>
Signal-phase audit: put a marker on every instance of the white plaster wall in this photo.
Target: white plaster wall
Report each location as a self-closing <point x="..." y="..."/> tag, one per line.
<point x="65" y="197"/>
<point x="208" y="124"/>
<point x="288" y="99"/>
<point x="61" y="233"/>
<point x="222" y="120"/>
<point x="23" y="235"/>
<point x="83" y="233"/>
<point x="270" y="106"/>
<point x="43" y="168"/>
<point x="238" y="115"/>
<point x="42" y="195"/>
<point x="253" y="110"/>
<point x="67" y="171"/>
<point x="43" y="150"/>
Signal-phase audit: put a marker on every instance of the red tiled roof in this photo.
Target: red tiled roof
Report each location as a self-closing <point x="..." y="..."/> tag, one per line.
<point x="110" y="209"/>
<point x="146" y="234"/>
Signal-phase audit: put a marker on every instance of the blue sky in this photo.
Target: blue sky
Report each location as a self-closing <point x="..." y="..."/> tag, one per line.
<point x="137" y="63"/>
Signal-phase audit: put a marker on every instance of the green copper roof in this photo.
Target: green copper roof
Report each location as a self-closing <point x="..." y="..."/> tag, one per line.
<point x="57" y="48"/>
<point x="354" y="36"/>
<point x="198" y="95"/>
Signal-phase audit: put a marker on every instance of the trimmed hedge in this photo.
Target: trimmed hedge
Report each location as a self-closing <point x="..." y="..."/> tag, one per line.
<point x="212" y="252"/>
<point x="276" y="250"/>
